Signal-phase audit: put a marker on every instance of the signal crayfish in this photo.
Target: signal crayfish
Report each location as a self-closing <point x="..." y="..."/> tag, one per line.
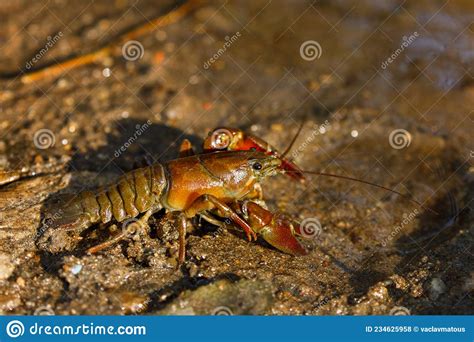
<point x="221" y="183"/>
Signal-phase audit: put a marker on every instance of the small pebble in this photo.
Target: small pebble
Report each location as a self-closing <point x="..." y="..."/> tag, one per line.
<point x="63" y="83"/>
<point x="207" y="105"/>
<point x="277" y="127"/>
<point x="254" y="128"/>
<point x="161" y="35"/>
<point x="108" y="62"/>
<point x="69" y="101"/>
<point x="437" y="287"/>
<point x="38" y="159"/>
<point x="378" y="292"/>
<point x="326" y="78"/>
<point x="159" y="57"/>
<point x="6" y="95"/>
<point x="76" y="269"/>
<point x="469" y="284"/>
<point x="169" y="47"/>
<point x="133" y="302"/>
<point x="9" y="302"/>
<point x="3" y="162"/>
<point x="6" y="266"/>
<point x="20" y="281"/>
<point x="193" y="270"/>
<point x="72" y="127"/>
<point x="313" y="85"/>
<point x="194" y="79"/>
<point x="106" y="72"/>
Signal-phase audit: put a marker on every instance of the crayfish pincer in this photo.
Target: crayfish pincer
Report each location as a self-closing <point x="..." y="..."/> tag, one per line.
<point x="188" y="186"/>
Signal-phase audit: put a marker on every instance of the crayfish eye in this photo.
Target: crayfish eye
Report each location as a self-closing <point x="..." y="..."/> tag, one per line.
<point x="257" y="166"/>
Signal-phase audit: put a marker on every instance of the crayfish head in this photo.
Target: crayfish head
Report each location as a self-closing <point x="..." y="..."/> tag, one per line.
<point x="233" y="139"/>
<point x="263" y="165"/>
<point x="240" y="169"/>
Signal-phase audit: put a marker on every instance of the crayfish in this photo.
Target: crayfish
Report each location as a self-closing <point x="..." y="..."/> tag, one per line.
<point x="224" y="180"/>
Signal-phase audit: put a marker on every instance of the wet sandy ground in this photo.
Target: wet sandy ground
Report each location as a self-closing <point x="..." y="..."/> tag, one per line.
<point x="387" y="94"/>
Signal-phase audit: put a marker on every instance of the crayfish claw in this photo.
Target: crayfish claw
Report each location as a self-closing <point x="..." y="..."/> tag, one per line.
<point x="280" y="235"/>
<point x="276" y="229"/>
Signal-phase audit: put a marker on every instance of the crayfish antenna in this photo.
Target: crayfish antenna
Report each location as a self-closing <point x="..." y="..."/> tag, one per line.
<point x="288" y="149"/>
<point x="288" y="164"/>
<point x="367" y="183"/>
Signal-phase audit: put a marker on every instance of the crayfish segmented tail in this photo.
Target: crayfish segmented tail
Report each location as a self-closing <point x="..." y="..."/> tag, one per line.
<point x="133" y="193"/>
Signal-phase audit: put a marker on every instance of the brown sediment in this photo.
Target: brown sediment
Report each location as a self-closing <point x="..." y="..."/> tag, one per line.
<point x="75" y="62"/>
